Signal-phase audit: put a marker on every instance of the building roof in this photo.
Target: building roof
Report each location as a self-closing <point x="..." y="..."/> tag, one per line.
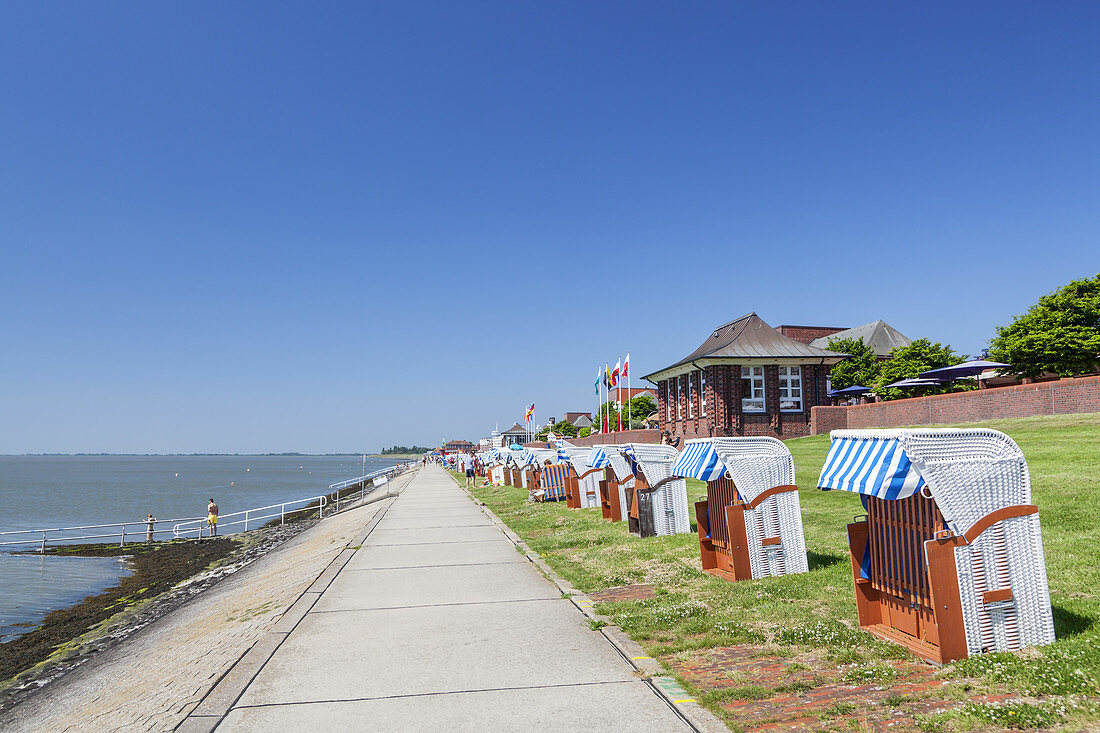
<point x="748" y="339"/>
<point x="517" y="428"/>
<point x="571" y="416"/>
<point x="878" y="336"/>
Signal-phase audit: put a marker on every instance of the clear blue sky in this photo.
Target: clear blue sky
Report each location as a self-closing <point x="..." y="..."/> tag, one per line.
<point x="325" y="227"/>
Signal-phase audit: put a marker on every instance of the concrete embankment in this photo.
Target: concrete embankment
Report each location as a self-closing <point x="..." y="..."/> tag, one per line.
<point x="157" y="675"/>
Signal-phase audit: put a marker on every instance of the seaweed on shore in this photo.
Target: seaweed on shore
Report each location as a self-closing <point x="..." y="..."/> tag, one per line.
<point x="157" y="567"/>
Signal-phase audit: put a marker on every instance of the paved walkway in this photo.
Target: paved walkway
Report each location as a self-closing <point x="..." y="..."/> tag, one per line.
<point x="435" y="622"/>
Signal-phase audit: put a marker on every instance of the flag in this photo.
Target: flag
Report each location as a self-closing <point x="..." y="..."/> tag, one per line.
<point x="607" y="374"/>
<point x="615" y="373"/>
<point x="599" y="373"/>
<point x="530" y="411"/>
<point x="626" y="365"/>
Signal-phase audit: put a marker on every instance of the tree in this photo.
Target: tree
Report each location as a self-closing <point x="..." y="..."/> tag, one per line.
<point x="561" y="427"/>
<point x="640" y="407"/>
<point x="1060" y="333"/>
<point x="584" y="432"/>
<point x="909" y="361"/>
<point x="861" y="368"/>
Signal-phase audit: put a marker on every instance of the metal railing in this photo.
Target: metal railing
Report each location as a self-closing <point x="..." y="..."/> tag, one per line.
<point x="341" y="485"/>
<point x="194" y="526"/>
<point x="185" y="528"/>
<point x="119" y="530"/>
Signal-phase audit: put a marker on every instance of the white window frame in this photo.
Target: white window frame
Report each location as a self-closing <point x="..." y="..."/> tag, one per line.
<point x="703" y="393"/>
<point x="790" y="379"/>
<point x="691" y="397"/>
<point x="753" y="374"/>
<point x="679" y="397"/>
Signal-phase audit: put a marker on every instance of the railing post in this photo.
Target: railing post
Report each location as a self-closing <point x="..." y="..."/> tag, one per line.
<point x="282" y="513"/>
<point x="246" y="519"/>
<point x="122" y="541"/>
<point x="43" y="549"/>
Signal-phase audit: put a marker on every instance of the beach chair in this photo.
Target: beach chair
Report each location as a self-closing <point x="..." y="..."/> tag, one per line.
<point x="584" y="483"/>
<point x="750" y="526"/>
<point x="948" y="559"/>
<point x="617" y="477"/>
<point x="652" y="501"/>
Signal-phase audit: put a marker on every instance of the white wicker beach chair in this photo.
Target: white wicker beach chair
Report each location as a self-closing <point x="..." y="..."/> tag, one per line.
<point x="659" y="505"/>
<point x="588" y="478"/>
<point x="949" y="561"/>
<point x="751" y="524"/>
<point x="608" y="456"/>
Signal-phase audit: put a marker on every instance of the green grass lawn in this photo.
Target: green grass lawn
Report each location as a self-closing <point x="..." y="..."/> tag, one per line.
<point x="815" y="611"/>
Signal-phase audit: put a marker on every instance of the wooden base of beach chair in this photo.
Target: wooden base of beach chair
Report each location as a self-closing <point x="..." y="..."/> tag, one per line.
<point x="609" y="500"/>
<point x="927" y="617"/>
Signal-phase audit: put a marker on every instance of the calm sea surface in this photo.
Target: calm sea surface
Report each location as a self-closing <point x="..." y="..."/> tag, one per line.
<point x="60" y="491"/>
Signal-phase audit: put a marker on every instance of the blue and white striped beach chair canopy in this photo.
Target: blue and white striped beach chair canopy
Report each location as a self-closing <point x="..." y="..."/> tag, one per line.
<point x="611" y="455"/>
<point x="542" y="455"/>
<point x="699" y="460"/>
<point x="754" y="464"/>
<point x="578" y="459"/>
<point x="654" y="460"/>
<point x="968" y="472"/>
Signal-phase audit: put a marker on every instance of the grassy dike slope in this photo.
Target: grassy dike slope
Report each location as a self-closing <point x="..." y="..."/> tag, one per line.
<point x="809" y="620"/>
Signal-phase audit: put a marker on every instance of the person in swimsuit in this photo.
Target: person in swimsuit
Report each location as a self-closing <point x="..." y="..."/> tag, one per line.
<point x="212" y="517"/>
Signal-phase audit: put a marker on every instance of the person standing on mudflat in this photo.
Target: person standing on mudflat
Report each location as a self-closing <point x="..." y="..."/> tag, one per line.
<point x="212" y="517"/>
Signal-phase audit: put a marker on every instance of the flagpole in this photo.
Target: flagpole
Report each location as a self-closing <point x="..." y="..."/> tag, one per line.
<point x="628" y="395"/>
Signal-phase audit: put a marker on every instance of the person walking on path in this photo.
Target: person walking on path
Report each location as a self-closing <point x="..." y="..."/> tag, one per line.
<point x="212" y="517"/>
<point x="469" y="473"/>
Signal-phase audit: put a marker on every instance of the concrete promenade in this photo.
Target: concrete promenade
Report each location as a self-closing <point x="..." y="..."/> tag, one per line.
<point x="435" y="622"/>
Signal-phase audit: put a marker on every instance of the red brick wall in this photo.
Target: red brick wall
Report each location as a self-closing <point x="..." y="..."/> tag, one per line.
<point x="806" y="334"/>
<point x="826" y="418"/>
<point x="1060" y="397"/>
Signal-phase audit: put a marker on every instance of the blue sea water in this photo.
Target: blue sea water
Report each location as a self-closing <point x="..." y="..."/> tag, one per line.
<point x="61" y="491"/>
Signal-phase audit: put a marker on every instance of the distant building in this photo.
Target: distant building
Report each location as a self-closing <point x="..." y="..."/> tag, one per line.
<point x="515" y="434"/>
<point x="746" y="378"/>
<point x="629" y="393"/>
<point x="878" y="336"/>
<point x="458" y="446"/>
<point x="578" y="419"/>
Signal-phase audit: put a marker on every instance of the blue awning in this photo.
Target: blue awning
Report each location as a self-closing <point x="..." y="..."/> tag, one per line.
<point x="598" y="459"/>
<point x="871" y="466"/>
<point x="699" y="460"/>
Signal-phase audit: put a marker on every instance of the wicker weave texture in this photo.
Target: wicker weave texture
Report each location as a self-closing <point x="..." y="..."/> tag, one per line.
<point x="1007" y="555"/>
<point x="756" y="464"/>
<point x="777" y="516"/>
<point x="589" y="488"/>
<point x="578" y="458"/>
<point x="670" y="506"/>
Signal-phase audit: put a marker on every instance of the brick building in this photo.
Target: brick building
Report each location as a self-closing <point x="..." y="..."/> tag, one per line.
<point x="747" y="378"/>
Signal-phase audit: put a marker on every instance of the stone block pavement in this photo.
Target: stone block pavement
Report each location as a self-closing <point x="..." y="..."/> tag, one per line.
<point x="434" y="621"/>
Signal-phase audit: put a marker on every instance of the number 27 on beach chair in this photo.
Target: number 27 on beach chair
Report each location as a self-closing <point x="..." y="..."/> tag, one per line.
<point x="948" y="560"/>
